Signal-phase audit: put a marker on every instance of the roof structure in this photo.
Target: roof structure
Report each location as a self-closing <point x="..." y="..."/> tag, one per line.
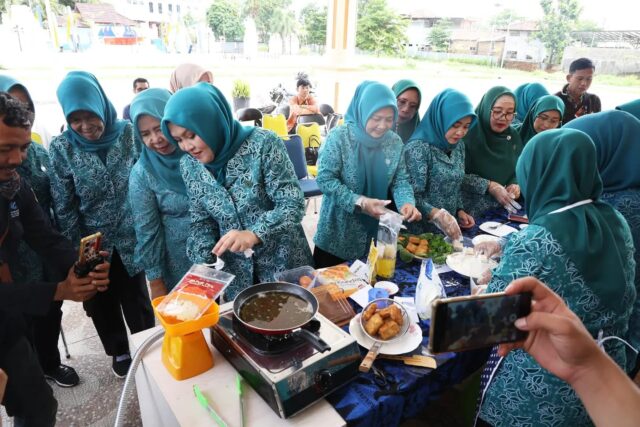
<point x="592" y="37"/>
<point x="102" y="13"/>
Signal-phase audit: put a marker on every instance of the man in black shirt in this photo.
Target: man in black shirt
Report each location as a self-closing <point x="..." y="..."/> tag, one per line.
<point x="28" y="397"/>
<point x="577" y="102"/>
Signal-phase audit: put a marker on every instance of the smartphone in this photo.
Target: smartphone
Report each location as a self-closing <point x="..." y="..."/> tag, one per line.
<point x="518" y="218"/>
<point x="470" y="322"/>
<point x="89" y="248"/>
<point x="89" y="254"/>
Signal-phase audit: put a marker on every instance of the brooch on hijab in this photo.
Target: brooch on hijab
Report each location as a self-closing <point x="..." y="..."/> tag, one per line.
<point x="508" y="137"/>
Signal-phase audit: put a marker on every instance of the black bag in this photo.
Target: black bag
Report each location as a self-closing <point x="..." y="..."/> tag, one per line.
<point x="311" y="152"/>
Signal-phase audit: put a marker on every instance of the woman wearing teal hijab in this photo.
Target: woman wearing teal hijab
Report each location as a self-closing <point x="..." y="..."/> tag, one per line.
<point x="526" y="94"/>
<point x="158" y="197"/>
<point x="582" y="249"/>
<point x="615" y="134"/>
<point x="90" y="166"/>
<point x="409" y="97"/>
<point x="243" y="192"/>
<point x="632" y="108"/>
<point x="545" y="113"/>
<point x="359" y="163"/>
<point x="492" y="149"/>
<point x="435" y="162"/>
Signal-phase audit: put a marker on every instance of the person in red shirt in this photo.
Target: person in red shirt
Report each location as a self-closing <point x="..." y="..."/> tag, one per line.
<point x="301" y="104"/>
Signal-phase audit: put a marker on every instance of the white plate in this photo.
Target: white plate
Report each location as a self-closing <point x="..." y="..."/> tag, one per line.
<point x="501" y="231"/>
<point x="407" y="343"/>
<point x="523" y="226"/>
<point x="484" y="238"/>
<point x="469" y="265"/>
<point x="391" y="287"/>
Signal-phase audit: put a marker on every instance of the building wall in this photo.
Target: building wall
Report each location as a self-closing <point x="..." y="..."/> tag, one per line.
<point x="464" y="46"/>
<point x="606" y="60"/>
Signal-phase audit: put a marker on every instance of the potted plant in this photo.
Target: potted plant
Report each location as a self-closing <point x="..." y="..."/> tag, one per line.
<point x="241" y="94"/>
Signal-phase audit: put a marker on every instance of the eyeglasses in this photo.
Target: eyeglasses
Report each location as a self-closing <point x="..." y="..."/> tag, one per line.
<point x="552" y="121"/>
<point x="499" y="114"/>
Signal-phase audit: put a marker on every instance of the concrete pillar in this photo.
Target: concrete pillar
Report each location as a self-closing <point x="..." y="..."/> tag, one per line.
<point x="341" y="41"/>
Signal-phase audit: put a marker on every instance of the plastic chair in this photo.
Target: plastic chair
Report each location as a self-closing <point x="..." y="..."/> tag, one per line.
<point x="250" y="114"/>
<point x="308" y="185"/>
<point x="326" y="109"/>
<point x="284" y="110"/>
<point x="277" y="123"/>
<point x="311" y="118"/>
<point x="310" y="134"/>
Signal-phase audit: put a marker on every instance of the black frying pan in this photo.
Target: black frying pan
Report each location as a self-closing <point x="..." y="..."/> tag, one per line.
<point x="290" y="288"/>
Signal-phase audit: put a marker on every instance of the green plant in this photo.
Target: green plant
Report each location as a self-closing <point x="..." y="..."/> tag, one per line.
<point x="241" y="89"/>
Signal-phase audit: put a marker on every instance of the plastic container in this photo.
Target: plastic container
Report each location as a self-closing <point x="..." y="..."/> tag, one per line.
<point x="185" y="352"/>
<point x="295" y="274"/>
<point x="339" y="311"/>
<point x="388" y="230"/>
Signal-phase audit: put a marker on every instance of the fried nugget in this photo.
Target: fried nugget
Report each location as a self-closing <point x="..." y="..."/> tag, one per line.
<point x="392" y="312"/>
<point x="415" y="240"/>
<point x="388" y="330"/>
<point x="366" y="315"/>
<point x="373" y="324"/>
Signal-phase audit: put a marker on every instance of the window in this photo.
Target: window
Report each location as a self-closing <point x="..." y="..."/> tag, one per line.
<point x="160" y="8"/>
<point x="170" y="8"/>
<point x="150" y="7"/>
<point x="178" y="8"/>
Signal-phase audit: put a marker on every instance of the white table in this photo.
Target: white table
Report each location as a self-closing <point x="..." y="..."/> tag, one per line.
<point x="164" y="401"/>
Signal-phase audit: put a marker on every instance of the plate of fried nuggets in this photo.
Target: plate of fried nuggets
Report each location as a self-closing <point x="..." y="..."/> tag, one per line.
<point x="382" y="320"/>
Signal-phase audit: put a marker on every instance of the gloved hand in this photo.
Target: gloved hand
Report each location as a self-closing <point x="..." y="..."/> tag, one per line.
<point x="447" y="224"/>
<point x="488" y="249"/>
<point x="503" y="197"/>
<point x="514" y="190"/>
<point x="373" y="207"/>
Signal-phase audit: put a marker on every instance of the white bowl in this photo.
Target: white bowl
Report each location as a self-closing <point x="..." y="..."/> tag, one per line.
<point x="391" y="287"/>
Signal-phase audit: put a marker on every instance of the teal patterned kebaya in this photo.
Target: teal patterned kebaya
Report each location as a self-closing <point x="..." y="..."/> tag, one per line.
<point x="90" y="195"/>
<point x="260" y="193"/>
<point x="341" y="231"/>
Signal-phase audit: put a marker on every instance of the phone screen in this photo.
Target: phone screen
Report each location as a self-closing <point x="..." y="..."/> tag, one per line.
<point x="466" y="323"/>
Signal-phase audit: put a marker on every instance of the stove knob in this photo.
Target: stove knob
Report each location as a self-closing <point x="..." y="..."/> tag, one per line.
<point x="323" y="379"/>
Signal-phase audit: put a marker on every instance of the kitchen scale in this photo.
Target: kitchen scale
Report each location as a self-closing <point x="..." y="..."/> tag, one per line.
<point x="289" y="373"/>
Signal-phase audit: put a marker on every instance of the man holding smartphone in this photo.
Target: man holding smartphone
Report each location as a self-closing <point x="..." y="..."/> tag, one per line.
<point x="28" y="397"/>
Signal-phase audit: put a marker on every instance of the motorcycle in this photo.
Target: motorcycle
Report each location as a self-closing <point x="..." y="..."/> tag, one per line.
<point x="279" y="100"/>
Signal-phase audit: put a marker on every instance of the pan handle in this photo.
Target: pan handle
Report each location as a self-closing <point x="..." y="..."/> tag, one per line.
<point x="368" y="360"/>
<point x="314" y="340"/>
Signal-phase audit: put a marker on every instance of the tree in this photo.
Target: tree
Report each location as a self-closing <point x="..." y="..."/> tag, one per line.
<point x="265" y="13"/>
<point x="284" y="23"/>
<point x="440" y="35"/>
<point x="380" y="30"/>
<point x="560" y="18"/>
<point x="314" y="23"/>
<point x="224" y="19"/>
<point x="587" y="25"/>
<point x="504" y="18"/>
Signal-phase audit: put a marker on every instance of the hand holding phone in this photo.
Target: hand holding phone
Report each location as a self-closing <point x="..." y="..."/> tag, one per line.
<point x="89" y="255"/>
<point x="470" y="322"/>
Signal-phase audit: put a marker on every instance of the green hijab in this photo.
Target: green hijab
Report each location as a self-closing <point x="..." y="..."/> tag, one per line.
<point x="7" y="83"/>
<point x="448" y="107"/>
<point x="544" y="103"/>
<point x="616" y="135"/>
<point x="371" y="170"/>
<point x="558" y="168"/>
<point x="632" y="107"/>
<point x="405" y="130"/>
<point x="80" y="91"/>
<point x="166" y="168"/>
<point x="526" y="95"/>
<point x="204" y="110"/>
<point x="488" y="154"/>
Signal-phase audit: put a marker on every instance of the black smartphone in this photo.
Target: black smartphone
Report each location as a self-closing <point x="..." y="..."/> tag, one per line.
<point x="470" y="322"/>
<point x="89" y="254"/>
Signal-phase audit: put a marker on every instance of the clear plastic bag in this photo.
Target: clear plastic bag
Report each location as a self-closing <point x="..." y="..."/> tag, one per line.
<point x="194" y="294"/>
<point x="388" y="231"/>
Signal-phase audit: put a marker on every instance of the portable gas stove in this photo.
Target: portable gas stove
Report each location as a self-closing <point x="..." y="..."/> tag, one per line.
<point x="289" y="373"/>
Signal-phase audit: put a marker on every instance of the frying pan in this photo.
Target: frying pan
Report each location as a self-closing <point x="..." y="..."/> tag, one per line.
<point x="293" y="328"/>
<point x="377" y="342"/>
